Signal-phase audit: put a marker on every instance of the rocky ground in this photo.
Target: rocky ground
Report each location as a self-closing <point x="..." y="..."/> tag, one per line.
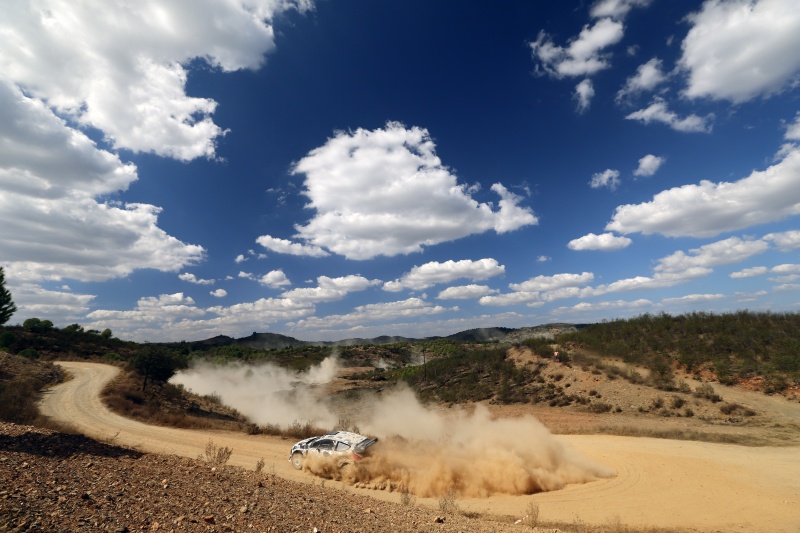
<point x="54" y="482"/>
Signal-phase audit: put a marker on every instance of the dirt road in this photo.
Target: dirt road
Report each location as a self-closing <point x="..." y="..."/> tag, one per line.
<point x="679" y="484"/>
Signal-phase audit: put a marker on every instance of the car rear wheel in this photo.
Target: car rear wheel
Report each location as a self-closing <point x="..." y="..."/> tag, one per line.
<point x="297" y="460"/>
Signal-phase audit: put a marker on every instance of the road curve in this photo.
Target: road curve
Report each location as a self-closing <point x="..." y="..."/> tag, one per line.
<point x="679" y="484"/>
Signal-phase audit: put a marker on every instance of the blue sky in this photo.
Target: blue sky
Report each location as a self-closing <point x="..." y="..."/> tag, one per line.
<point x="176" y="170"/>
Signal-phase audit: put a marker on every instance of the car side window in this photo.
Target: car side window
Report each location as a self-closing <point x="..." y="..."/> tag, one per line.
<point x="324" y="444"/>
<point x="342" y="446"/>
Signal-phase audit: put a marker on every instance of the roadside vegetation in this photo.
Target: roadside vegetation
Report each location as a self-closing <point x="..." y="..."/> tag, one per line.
<point x="730" y="348"/>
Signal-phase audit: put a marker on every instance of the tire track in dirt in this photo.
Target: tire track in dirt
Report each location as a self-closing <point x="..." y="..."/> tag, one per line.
<point x="681" y="484"/>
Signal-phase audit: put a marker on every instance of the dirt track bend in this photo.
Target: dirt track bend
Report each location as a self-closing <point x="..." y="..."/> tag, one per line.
<point x="680" y="484"/>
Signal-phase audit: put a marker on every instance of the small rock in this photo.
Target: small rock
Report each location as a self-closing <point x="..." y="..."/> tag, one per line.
<point x="209" y="519"/>
<point x="438" y="520"/>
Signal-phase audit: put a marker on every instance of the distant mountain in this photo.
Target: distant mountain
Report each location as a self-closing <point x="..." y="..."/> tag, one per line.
<point x="269" y="341"/>
<point x="481" y="335"/>
<point x="276" y="341"/>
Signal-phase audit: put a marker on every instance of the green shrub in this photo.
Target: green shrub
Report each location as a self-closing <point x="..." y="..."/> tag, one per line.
<point x="678" y="402"/>
<point x="7" y="339"/>
<point x="30" y="353"/>
<point x="600" y="407"/>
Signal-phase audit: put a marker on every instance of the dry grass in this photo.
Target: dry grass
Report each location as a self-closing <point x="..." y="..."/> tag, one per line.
<point x="684" y="434"/>
<point x="448" y="503"/>
<point x="168" y="405"/>
<point x="21" y="379"/>
<point x="406" y="497"/>
<point x="531" y="518"/>
<point x="216" y="455"/>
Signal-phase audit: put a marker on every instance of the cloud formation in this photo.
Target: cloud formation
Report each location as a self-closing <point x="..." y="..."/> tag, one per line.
<point x="285" y="246"/>
<point x="385" y="192"/>
<point x="606" y="242"/>
<point x="433" y="273"/>
<point x="551" y="283"/>
<point x="708" y="209"/>
<point x="330" y="289"/>
<point x="609" y="179"/>
<point x="648" y="76"/>
<point x="738" y="50"/>
<point x="649" y="165"/>
<point x="616" y="8"/>
<point x="465" y="292"/>
<point x="793" y="129"/>
<point x="274" y="279"/>
<point x="659" y="112"/>
<point x="584" y="92"/>
<point x="120" y="66"/>
<point x="372" y="313"/>
<point x="191" y="278"/>
<point x="54" y="227"/>
<point x="583" y="56"/>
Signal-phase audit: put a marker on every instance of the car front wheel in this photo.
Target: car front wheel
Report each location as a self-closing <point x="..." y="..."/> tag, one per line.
<point x="297" y="460"/>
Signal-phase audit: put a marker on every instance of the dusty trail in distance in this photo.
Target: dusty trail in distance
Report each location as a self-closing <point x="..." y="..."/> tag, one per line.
<point x="679" y="484"/>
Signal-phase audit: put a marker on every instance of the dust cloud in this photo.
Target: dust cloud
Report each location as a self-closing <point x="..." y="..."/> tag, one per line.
<point x="427" y="451"/>
<point x="266" y="394"/>
<point x="432" y="453"/>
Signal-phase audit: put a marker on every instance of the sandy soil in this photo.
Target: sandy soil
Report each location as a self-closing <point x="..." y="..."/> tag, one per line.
<point x="685" y="485"/>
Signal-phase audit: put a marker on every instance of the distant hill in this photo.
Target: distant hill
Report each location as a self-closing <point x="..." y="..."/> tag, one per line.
<point x="269" y="341"/>
<point x="276" y="341"/>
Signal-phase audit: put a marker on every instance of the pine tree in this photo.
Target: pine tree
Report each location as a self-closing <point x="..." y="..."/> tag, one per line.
<point x="7" y="307"/>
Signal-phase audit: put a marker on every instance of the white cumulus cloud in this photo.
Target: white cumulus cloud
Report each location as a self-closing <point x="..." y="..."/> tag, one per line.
<point x="54" y="227"/>
<point x="616" y="8"/>
<point x="285" y="246"/>
<point x="750" y="272"/>
<point x="785" y="241"/>
<point x="606" y="241"/>
<point x="693" y="298"/>
<point x="584" y="92"/>
<point x="379" y="312"/>
<point x="793" y="129"/>
<point x="120" y="66"/>
<point x="737" y="50"/>
<point x="659" y="112"/>
<point x="584" y="55"/>
<point x="609" y="179"/>
<point x="60" y="307"/>
<point x="274" y="279"/>
<point x="330" y="289"/>
<point x="649" y="165"/>
<point x="465" y="292"/>
<point x="725" y="252"/>
<point x="385" y="192"/>
<point x="191" y="278"/>
<point x="708" y="209"/>
<point x="551" y="283"/>
<point x="429" y="274"/>
<point x="648" y="76"/>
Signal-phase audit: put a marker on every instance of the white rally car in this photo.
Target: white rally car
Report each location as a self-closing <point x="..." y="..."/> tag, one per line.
<point x="350" y="446"/>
